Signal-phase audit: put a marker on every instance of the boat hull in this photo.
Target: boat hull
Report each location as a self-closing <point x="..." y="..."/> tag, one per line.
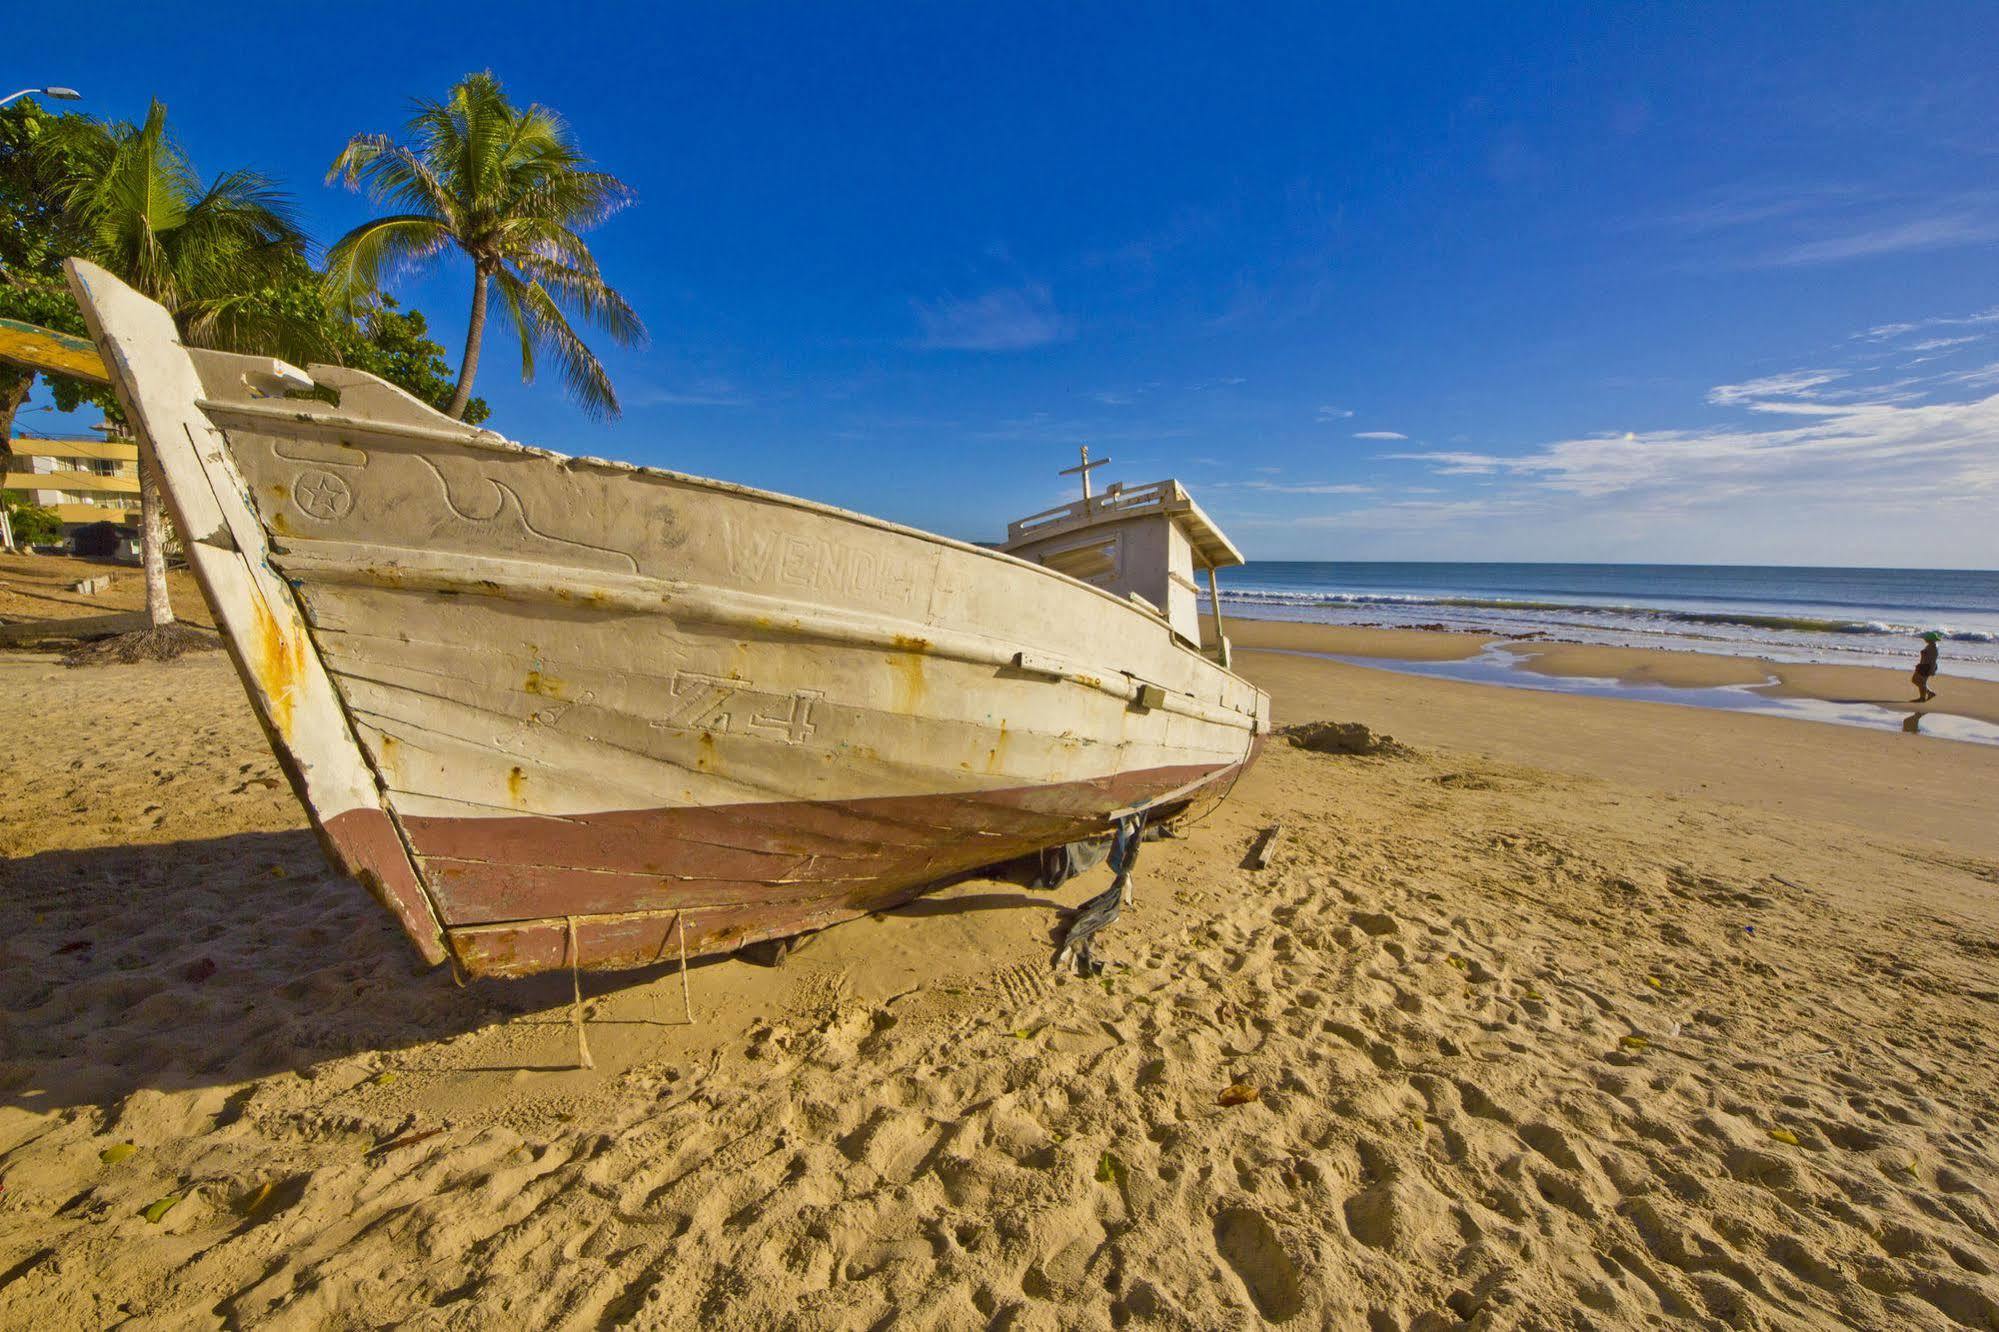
<point x="562" y="711"/>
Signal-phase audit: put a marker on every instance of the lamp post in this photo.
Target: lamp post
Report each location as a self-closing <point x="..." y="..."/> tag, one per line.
<point x="59" y="93"/>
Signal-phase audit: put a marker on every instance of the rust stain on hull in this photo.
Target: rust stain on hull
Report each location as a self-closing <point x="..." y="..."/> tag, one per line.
<point x="544" y="685"/>
<point x="906" y="664"/>
<point x="278" y="660"/>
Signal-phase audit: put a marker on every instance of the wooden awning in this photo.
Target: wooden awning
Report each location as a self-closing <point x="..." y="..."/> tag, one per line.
<point x="32" y="347"/>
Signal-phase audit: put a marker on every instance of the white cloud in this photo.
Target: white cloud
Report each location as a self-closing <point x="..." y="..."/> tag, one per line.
<point x="700" y="393"/>
<point x="1889" y="332"/>
<point x="1292" y="487"/>
<point x="1455" y="464"/>
<point x="1939" y="451"/>
<point x="1415" y="516"/>
<point x="1927" y="233"/>
<point x="1855" y="465"/>
<point x="1379" y="434"/>
<point x="1005" y="319"/>
<point x="1758" y="393"/>
<point x="1333" y="414"/>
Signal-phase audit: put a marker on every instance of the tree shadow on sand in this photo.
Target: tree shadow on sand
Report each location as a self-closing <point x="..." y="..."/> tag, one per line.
<point x="214" y="961"/>
<point x="210" y="962"/>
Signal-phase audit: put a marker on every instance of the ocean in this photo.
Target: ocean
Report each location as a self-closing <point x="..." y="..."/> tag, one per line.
<point x="1866" y="617"/>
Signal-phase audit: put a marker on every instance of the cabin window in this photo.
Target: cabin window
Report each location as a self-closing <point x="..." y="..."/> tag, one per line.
<point x="1096" y="560"/>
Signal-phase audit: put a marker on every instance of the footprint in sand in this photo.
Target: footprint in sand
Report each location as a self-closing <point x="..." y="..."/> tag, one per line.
<point x="1247" y="1242"/>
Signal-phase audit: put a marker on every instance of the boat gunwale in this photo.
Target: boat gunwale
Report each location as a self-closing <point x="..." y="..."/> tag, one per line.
<point x="491" y="575"/>
<point x="255" y="417"/>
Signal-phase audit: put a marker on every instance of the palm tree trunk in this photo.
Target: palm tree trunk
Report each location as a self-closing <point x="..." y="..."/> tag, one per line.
<point x="14" y="386"/>
<point x="468" y="369"/>
<point x="153" y="540"/>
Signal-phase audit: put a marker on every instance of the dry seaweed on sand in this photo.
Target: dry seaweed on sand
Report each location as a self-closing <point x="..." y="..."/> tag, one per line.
<point x="1337" y="737"/>
<point x="162" y="643"/>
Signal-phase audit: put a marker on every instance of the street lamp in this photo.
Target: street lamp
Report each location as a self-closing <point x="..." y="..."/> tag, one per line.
<point x="60" y="94"/>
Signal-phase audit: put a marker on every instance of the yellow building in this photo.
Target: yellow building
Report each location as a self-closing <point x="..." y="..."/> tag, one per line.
<point x="83" y="480"/>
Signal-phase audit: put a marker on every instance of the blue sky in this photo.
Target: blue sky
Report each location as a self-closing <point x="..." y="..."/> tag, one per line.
<point x="1676" y="283"/>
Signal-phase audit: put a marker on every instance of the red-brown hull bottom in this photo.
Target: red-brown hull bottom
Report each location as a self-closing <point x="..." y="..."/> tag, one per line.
<point x="636" y="886"/>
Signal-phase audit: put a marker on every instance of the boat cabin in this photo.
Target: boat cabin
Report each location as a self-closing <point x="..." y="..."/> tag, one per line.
<point x="1144" y="543"/>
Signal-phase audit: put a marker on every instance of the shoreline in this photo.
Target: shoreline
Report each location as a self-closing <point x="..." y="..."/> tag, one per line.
<point x="1975" y="700"/>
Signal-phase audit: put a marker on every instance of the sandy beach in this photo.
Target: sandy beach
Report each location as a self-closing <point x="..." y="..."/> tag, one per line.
<point x="1570" y="1012"/>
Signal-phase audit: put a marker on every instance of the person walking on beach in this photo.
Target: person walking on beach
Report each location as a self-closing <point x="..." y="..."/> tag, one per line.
<point x="1926" y="666"/>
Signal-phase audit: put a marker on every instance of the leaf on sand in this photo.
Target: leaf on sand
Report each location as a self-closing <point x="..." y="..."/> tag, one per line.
<point x="1655" y="982"/>
<point x="1240" y="1093"/>
<point x="386" y="1078"/>
<point x="257" y="1197"/>
<point x="116" y="1152"/>
<point x="160" y="1207"/>
<point x="1785" y="1136"/>
<point x="1634" y="1042"/>
<point x="1110" y="1170"/>
<point x="1024" y="1033"/>
<point x="1457" y="961"/>
<point x="404" y="1141"/>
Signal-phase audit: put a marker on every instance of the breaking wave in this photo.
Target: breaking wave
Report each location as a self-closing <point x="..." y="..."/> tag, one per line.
<point x="1781" y="623"/>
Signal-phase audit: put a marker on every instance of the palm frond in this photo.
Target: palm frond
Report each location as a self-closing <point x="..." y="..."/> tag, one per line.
<point x="538" y="321"/>
<point x="586" y="294"/>
<point x="207" y="252"/>
<point x="359" y="262"/>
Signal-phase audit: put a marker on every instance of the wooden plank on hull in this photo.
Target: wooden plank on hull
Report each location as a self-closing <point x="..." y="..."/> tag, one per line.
<point x="473" y="892"/>
<point x="498" y="869"/>
<point x="31" y="347"/>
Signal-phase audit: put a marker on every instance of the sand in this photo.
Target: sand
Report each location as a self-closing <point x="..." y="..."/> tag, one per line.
<point x="39" y="603"/>
<point x="1580" y="1014"/>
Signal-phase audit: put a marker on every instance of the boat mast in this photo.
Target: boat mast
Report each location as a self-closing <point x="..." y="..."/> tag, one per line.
<point x="1083" y="469"/>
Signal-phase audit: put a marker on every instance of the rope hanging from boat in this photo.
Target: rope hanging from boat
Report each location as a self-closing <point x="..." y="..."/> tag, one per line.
<point x="583" y="1059"/>
<point x="1091" y="917"/>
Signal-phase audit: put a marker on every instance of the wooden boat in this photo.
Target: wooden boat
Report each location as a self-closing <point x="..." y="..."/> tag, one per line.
<point x="561" y="711"/>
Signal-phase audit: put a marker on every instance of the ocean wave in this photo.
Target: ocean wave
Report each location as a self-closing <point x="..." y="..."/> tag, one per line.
<point x="1797" y="624"/>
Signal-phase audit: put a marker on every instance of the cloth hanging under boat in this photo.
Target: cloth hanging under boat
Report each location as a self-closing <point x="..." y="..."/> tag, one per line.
<point x="1059" y="864"/>
<point x="1091" y="917"/>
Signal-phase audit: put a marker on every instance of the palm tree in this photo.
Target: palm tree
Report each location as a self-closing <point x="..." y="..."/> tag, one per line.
<point x="205" y="252"/>
<point x="508" y="187"/>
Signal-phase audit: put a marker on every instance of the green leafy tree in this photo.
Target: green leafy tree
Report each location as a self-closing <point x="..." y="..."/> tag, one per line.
<point x="33" y="525"/>
<point x="378" y="336"/>
<point x="507" y="186"/>
<point x="33" y="229"/>
<point x="130" y="199"/>
<point x="35" y="237"/>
